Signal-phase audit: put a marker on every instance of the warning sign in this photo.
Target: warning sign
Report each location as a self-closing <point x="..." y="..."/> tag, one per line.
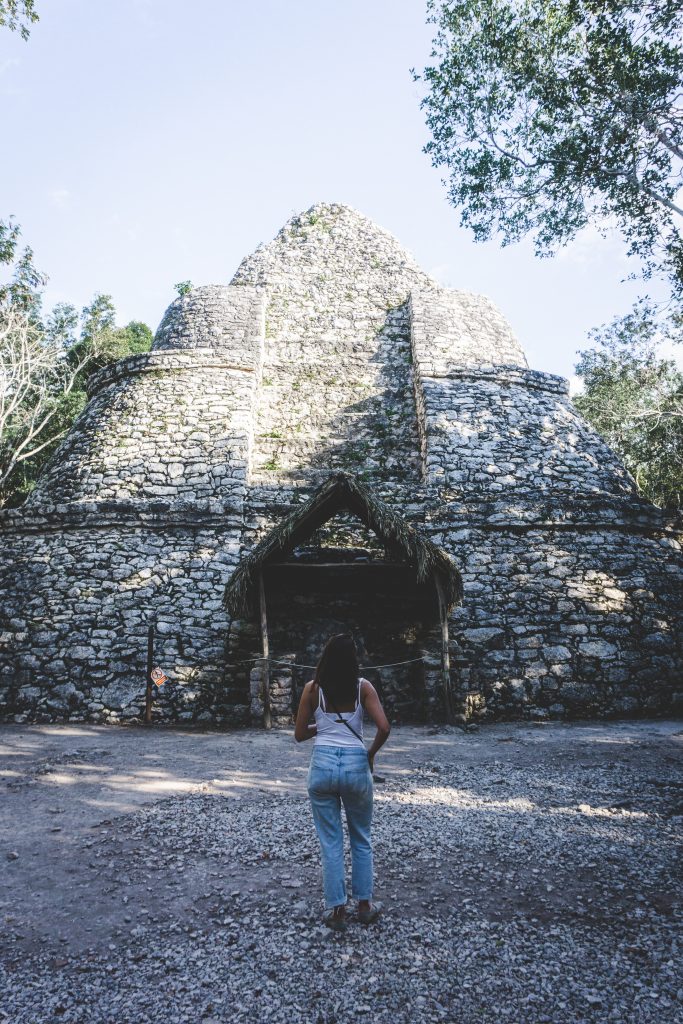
<point x="158" y="676"/>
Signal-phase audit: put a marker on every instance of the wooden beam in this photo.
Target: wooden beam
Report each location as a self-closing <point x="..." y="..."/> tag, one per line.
<point x="148" y="684"/>
<point x="341" y="568"/>
<point x="445" y="654"/>
<point x="265" y="650"/>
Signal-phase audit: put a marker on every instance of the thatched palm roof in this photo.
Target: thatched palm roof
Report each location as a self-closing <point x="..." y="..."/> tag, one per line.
<point x="342" y="492"/>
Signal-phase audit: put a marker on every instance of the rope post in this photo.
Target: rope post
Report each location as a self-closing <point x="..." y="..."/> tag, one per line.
<point x="445" y="654"/>
<point x="265" y="673"/>
<point x="150" y="665"/>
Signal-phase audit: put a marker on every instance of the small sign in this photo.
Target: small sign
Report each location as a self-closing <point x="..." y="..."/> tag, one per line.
<point x="158" y="676"/>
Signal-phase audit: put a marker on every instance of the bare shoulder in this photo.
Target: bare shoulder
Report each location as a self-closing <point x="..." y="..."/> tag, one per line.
<point x="306" y="701"/>
<point x="366" y="689"/>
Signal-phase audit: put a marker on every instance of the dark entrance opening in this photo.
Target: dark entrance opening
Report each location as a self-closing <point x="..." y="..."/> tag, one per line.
<point x="393" y="619"/>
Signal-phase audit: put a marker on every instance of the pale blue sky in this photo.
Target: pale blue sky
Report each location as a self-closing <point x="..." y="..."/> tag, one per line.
<point x="150" y="141"/>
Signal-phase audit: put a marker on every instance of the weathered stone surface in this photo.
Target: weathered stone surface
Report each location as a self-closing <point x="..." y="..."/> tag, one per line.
<point x="332" y="350"/>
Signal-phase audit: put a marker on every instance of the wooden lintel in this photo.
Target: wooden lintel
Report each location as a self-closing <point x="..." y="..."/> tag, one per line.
<point x="342" y="566"/>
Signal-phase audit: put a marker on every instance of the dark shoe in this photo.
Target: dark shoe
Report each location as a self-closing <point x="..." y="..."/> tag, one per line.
<point x="333" y="921"/>
<point x="368" y="916"/>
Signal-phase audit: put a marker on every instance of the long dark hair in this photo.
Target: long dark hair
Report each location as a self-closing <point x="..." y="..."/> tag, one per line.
<point x="337" y="671"/>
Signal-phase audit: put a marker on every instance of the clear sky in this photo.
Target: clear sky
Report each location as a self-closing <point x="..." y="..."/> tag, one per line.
<point x="151" y="141"/>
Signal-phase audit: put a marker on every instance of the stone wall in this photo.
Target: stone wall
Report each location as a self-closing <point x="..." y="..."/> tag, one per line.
<point x="573" y="614"/>
<point x="214" y="316"/>
<point x="487" y="423"/>
<point x="163" y="425"/>
<point x="499" y="429"/>
<point x="452" y="329"/>
<point x="77" y="594"/>
<point x="559" y="617"/>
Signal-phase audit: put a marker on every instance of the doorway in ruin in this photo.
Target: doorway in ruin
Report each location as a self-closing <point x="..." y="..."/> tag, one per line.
<point x="368" y="572"/>
<point x="394" y="621"/>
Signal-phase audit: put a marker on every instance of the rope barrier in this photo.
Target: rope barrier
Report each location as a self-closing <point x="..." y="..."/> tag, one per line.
<point x="297" y="664"/>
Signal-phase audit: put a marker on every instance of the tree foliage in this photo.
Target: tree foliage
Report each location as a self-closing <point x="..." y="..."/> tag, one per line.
<point x="25" y="283"/>
<point x="550" y="114"/>
<point x="634" y="398"/>
<point x="18" y="15"/>
<point x="45" y="362"/>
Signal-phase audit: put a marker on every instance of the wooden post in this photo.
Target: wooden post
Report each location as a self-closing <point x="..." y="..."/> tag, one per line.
<point x="445" y="655"/>
<point x="150" y="666"/>
<point x="265" y="674"/>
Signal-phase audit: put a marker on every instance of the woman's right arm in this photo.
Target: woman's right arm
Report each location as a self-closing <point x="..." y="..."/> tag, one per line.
<point x="372" y="705"/>
<point x="302" y="729"/>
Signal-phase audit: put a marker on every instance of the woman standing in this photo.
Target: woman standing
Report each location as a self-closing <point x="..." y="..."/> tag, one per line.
<point x="341" y="772"/>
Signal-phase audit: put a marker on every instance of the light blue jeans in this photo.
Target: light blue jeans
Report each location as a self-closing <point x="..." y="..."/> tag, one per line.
<point x="336" y="776"/>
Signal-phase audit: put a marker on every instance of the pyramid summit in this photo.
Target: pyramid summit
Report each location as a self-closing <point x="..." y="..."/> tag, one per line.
<point x="366" y="449"/>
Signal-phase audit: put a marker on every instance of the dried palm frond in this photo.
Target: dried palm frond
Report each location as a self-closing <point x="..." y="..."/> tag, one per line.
<point x="342" y="492"/>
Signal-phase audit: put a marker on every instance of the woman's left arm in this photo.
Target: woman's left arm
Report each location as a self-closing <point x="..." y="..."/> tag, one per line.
<point x="302" y="730"/>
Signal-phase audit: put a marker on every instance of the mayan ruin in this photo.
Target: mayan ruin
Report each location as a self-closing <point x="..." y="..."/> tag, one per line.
<point x="369" y="447"/>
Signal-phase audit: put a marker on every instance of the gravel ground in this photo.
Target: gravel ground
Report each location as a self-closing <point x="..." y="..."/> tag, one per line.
<point x="529" y="875"/>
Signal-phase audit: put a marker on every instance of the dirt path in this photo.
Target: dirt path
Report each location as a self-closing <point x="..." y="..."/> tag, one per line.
<point x="110" y="836"/>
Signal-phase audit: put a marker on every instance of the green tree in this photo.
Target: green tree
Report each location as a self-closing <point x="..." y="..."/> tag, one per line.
<point x="634" y="399"/>
<point x="24" y="285"/>
<point x="183" y="287"/>
<point x="107" y="342"/>
<point x="45" y="363"/>
<point x="551" y="114"/>
<point x="18" y="14"/>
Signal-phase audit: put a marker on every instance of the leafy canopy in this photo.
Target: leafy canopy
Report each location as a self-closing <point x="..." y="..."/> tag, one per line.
<point x="24" y="284"/>
<point x="550" y="114"/>
<point x="634" y="398"/>
<point x="18" y="14"/>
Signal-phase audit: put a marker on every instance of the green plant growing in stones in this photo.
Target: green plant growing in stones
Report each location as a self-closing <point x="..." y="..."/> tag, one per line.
<point x="317" y="220"/>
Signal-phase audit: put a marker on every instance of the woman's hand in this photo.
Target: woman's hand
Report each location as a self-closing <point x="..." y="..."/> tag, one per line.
<point x="371" y="762"/>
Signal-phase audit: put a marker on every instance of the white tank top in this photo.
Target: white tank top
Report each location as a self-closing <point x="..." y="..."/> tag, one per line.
<point x="333" y="733"/>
